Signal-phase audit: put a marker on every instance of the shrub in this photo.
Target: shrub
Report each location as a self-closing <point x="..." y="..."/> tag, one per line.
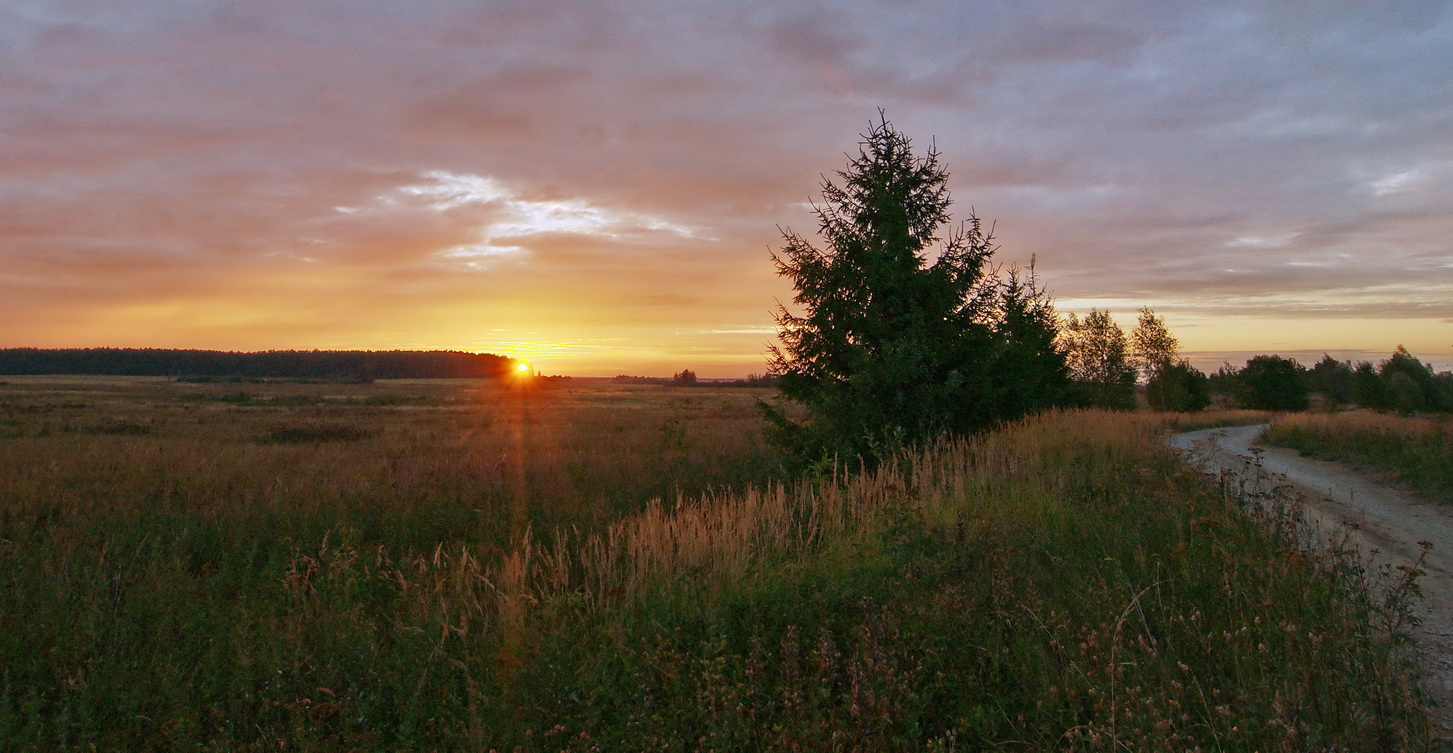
<point x="1368" y="389"/>
<point x="1273" y="383"/>
<point x="1418" y="389"/>
<point x="1332" y="379"/>
<point x="1404" y="394"/>
<point x="1178" y="387"/>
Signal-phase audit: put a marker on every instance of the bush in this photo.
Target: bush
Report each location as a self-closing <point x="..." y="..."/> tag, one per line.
<point x="1411" y="384"/>
<point x="1223" y="380"/>
<point x="1178" y="387"/>
<point x="1332" y="379"/>
<point x="1404" y="394"/>
<point x="1368" y="389"/>
<point x="1273" y="383"/>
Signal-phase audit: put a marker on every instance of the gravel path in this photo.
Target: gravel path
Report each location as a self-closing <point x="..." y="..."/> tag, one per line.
<point x="1384" y="519"/>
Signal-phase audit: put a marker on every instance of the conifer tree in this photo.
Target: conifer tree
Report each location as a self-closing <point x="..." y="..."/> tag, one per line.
<point x="905" y="329"/>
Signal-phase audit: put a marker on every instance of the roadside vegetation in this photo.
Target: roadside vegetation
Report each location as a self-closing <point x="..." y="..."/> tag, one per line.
<point x="1062" y="583"/>
<point x="1215" y="419"/>
<point x="1415" y="451"/>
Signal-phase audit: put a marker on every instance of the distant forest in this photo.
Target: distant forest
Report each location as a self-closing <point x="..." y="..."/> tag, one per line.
<point x="272" y="364"/>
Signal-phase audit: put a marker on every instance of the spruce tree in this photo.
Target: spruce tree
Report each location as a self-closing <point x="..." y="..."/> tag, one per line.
<point x="905" y="329"/>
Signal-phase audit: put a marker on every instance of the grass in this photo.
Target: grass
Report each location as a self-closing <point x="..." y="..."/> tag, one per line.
<point x="1064" y="583"/>
<point x="313" y="433"/>
<point x="409" y="463"/>
<point x="1215" y="419"/>
<point x="1415" y="451"/>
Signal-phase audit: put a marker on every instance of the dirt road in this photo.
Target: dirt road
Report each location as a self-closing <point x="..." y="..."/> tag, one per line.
<point x="1387" y="520"/>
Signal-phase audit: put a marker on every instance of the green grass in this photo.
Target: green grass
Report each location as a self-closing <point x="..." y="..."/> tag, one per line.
<point x="1065" y="583"/>
<point x="1415" y="451"/>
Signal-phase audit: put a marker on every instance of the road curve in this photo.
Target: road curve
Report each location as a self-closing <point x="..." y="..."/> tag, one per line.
<point x="1387" y="520"/>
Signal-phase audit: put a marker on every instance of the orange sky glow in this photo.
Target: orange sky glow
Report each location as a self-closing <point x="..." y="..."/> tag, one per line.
<point x="596" y="189"/>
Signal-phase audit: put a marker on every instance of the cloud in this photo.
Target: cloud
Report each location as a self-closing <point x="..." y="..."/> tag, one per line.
<point x="516" y="216"/>
<point x="1262" y="241"/>
<point x="346" y="172"/>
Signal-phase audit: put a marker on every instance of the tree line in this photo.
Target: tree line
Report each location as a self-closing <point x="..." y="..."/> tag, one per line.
<point x="687" y="378"/>
<point x="1398" y="383"/>
<point x="272" y="364"/>
<point x="1106" y="365"/>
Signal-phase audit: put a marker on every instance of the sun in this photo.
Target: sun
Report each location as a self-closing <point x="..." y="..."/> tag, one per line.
<point x="522" y="368"/>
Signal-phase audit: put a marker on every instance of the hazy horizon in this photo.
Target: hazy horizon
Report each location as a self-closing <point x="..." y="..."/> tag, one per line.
<point x="1206" y="361"/>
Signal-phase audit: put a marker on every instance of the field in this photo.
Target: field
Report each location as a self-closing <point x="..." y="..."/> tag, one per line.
<point x="1415" y="451"/>
<point x="462" y="566"/>
<point x="406" y="463"/>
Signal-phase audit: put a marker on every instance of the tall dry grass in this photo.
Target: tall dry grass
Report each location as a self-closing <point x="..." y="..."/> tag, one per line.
<point x="1064" y="583"/>
<point x="451" y="460"/>
<point x="1417" y="451"/>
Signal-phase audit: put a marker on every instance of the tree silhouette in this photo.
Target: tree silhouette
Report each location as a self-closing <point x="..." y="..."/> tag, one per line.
<point x="1411" y="384"/>
<point x="1368" y="389"/>
<point x="899" y="341"/>
<point x="1333" y="379"/>
<point x="1178" y="386"/>
<point x="1096" y="352"/>
<point x="1273" y="383"/>
<point x="1153" y="351"/>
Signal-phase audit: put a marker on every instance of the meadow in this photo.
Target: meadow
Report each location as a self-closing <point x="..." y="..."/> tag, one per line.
<point x="1414" y="450"/>
<point x="466" y="566"/>
<point x="408" y="463"/>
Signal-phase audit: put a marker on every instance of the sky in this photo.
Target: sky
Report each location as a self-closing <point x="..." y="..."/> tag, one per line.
<point x="597" y="187"/>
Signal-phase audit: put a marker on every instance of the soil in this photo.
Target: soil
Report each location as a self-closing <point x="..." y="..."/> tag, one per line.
<point x="1382" y="519"/>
